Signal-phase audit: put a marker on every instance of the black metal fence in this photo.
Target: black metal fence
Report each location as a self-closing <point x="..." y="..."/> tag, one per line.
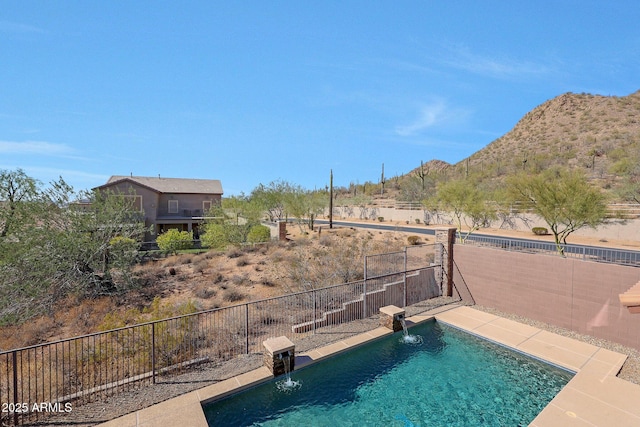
<point x="90" y="367"/>
<point x="586" y="253"/>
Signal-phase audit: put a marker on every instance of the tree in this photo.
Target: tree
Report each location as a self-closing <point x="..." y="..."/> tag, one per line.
<point x="305" y="205"/>
<point x="562" y="198"/>
<point x="18" y="194"/>
<point x="271" y="198"/>
<point x="362" y="201"/>
<point x="468" y="204"/>
<point x="58" y="247"/>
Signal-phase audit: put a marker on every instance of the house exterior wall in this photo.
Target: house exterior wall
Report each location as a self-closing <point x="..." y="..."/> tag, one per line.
<point x="149" y="198"/>
<point x="581" y="296"/>
<point x="158" y="218"/>
<point x="188" y="204"/>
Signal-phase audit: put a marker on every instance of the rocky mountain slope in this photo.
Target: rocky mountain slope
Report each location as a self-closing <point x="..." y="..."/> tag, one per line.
<point x="599" y="134"/>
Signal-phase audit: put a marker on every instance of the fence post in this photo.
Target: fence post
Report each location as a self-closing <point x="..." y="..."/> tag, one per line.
<point x="364" y="290"/>
<point x="404" y="277"/>
<point x="246" y="325"/>
<point x="315" y="307"/>
<point x="153" y="352"/>
<point x="15" y="385"/>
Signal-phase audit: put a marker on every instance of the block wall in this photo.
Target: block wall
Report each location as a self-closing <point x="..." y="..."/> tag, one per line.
<point x="577" y="295"/>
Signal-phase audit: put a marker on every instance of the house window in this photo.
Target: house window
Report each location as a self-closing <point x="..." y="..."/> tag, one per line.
<point x="206" y="206"/>
<point x="173" y="206"/>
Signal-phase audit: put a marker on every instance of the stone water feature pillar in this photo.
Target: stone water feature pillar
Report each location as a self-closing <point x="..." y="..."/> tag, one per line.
<point x="279" y="350"/>
<point x="444" y="257"/>
<point x="391" y="317"/>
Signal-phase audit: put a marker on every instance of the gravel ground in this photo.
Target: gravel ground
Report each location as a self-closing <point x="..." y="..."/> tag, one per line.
<point x="131" y="400"/>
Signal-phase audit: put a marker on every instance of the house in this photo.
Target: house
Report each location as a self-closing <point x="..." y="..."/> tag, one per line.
<point x="168" y="202"/>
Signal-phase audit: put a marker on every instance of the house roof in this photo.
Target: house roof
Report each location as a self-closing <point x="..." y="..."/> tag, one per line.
<point x="170" y="185"/>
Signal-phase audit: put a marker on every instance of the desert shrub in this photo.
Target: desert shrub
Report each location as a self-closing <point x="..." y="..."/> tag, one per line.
<point x="325" y="240"/>
<point x="184" y="259"/>
<point x="417" y="220"/>
<point x="200" y="266"/>
<point x="239" y="279"/>
<point x="234" y="253"/>
<point x="413" y="240"/>
<point x="219" y="236"/>
<point x="204" y="292"/>
<point x="381" y="218"/>
<point x="278" y="256"/>
<point x="266" y="282"/>
<point x="174" y="240"/>
<point x="215" y="236"/>
<point x="259" y="233"/>
<point x="242" y="261"/>
<point x="540" y="231"/>
<point x="233" y="295"/>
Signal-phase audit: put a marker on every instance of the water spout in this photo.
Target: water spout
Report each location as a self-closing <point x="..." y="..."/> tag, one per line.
<point x="407" y="338"/>
<point x="287" y="384"/>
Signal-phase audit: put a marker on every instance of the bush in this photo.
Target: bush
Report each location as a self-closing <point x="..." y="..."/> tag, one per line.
<point x="381" y="218"/>
<point x="540" y="231"/>
<point x="258" y="234"/>
<point x="204" y="292"/>
<point x="215" y="236"/>
<point x="174" y="240"/>
<point x="122" y="241"/>
<point x="219" y="236"/>
<point x="413" y="240"/>
<point x="123" y="249"/>
<point x="232" y="295"/>
<point x="417" y="220"/>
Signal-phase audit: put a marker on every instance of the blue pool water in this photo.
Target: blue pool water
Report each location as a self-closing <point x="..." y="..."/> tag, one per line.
<point x="451" y="379"/>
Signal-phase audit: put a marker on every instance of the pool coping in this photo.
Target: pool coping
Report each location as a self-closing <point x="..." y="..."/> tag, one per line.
<point x="594" y="396"/>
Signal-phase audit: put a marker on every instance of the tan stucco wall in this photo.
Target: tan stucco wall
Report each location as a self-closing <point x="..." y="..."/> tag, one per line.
<point x="578" y="295"/>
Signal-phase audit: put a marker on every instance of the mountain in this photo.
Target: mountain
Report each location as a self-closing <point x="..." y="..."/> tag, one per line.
<point x="585" y="131"/>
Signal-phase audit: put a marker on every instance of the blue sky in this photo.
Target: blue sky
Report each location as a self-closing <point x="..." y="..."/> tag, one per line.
<point x="254" y="91"/>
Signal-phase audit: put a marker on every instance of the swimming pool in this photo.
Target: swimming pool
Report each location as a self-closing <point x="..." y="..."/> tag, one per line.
<point x="451" y="379"/>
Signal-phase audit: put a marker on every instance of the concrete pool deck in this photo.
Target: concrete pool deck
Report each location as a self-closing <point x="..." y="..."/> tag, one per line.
<point x="593" y="397"/>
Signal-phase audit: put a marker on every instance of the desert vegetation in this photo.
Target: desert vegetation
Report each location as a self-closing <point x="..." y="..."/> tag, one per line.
<point x="69" y="266"/>
<point x="170" y="285"/>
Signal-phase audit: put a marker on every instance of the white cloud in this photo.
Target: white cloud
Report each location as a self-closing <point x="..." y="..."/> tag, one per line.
<point x="13" y="27"/>
<point x="499" y="67"/>
<point x="428" y="116"/>
<point x="35" y="147"/>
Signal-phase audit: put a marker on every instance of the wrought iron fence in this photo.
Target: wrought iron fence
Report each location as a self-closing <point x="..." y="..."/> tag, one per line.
<point x="586" y="253"/>
<point x="410" y="258"/>
<point x="90" y="367"/>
